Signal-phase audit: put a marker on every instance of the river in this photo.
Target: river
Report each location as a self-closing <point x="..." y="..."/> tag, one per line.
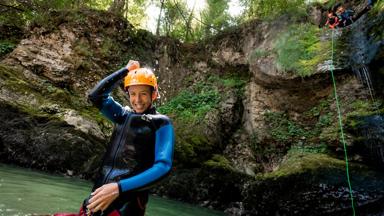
<point x="27" y="192"/>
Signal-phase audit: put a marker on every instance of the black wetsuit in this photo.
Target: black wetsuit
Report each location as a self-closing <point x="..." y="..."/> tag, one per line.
<point x="140" y="151"/>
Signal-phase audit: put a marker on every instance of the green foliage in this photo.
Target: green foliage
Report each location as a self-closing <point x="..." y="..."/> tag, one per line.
<point x="215" y="16"/>
<point x="361" y="108"/>
<point x="364" y="108"/>
<point x="378" y="7"/>
<point x="282" y="129"/>
<point x="234" y="81"/>
<point x="314" y="148"/>
<point x="266" y="9"/>
<point x="309" y="136"/>
<point x="135" y="12"/>
<point x="99" y="4"/>
<point x="300" y="50"/>
<point x="317" y="110"/>
<point x="174" y="21"/>
<point x="6" y="47"/>
<point x="188" y="110"/>
<point x="192" y="105"/>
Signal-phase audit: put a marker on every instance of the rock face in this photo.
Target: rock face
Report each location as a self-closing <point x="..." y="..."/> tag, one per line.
<point x="32" y="140"/>
<point x="269" y="145"/>
<point x="263" y="143"/>
<point x="44" y="84"/>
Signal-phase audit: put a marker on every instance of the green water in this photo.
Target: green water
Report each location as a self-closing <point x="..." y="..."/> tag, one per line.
<point x="26" y="192"/>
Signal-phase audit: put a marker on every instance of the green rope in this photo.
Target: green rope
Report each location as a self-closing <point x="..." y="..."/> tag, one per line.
<point x="342" y="132"/>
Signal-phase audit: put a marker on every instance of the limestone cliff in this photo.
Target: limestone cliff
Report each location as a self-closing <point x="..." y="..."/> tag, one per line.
<point x="255" y="134"/>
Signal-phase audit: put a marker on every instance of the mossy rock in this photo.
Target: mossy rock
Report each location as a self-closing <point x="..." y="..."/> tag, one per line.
<point x="47" y="143"/>
<point x="313" y="184"/>
<point x="211" y="186"/>
<point x="192" y="146"/>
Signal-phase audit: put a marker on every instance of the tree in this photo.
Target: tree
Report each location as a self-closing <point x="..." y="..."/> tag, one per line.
<point x="215" y="17"/>
<point x="135" y="12"/>
<point x="265" y="9"/>
<point x="173" y="23"/>
<point x="159" y="18"/>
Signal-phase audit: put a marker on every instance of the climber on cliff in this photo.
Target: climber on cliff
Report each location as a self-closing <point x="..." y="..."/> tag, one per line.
<point x="140" y="152"/>
<point x="332" y="20"/>
<point x="348" y="16"/>
<point x="345" y="16"/>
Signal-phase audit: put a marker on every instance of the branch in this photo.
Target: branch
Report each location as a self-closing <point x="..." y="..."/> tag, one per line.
<point x="13" y="7"/>
<point x="208" y="25"/>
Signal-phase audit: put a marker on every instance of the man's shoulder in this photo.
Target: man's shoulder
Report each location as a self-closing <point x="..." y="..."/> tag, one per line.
<point x="160" y="119"/>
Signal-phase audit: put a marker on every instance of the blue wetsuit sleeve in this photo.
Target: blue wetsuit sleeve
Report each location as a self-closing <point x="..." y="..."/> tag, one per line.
<point x="164" y="146"/>
<point x="100" y="96"/>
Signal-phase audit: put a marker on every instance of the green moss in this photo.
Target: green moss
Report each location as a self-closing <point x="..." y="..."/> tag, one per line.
<point x="106" y="47"/>
<point x="364" y="108"/>
<point x="300" y="49"/>
<point x="228" y="81"/>
<point x="192" y="146"/>
<point x="296" y="163"/>
<point x="83" y="48"/>
<point x="312" y="148"/>
<point x="46" y="94"/>
<point x="219" y="161"/>
<point x="361" y="108"/>
<point x="331" y="133"/>
<point x="354" y="123"/>
<point x="7" y="73"/>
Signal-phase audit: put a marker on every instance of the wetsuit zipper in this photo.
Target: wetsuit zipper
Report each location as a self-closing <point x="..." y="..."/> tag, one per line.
<point x="123" y="137"/>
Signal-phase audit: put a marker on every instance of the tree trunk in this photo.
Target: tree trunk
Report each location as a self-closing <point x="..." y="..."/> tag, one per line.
<point x="159" y="19"/>
<point x="126" y="10"/>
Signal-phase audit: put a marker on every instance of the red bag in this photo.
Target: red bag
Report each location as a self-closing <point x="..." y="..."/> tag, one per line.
<point x="83" y="213"/>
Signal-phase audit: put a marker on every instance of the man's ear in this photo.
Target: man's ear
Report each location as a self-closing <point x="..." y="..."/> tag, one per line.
<point x="154" y="95"/>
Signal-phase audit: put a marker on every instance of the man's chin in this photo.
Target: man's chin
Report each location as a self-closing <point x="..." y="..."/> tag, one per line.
<point x="139" y="111"/>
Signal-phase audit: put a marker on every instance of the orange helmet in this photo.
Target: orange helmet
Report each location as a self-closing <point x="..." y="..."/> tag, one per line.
<point x="140" y="76"/>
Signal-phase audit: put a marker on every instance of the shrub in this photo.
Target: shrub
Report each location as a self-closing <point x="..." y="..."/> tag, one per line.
<point x="6" y="47"/>
<point x="300" y="49"/>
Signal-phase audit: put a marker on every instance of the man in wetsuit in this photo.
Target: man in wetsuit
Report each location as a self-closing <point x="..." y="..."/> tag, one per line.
<point x="141" y="148"/>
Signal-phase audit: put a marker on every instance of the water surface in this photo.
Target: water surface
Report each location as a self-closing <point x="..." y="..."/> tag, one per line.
<point x="26" y="192"/>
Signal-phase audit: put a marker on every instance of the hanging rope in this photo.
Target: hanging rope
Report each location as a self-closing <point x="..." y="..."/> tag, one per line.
<point x="341" y="129"/>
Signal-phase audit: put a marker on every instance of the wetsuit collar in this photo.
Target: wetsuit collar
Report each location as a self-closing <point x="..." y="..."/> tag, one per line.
<point x="150" y="110"/>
